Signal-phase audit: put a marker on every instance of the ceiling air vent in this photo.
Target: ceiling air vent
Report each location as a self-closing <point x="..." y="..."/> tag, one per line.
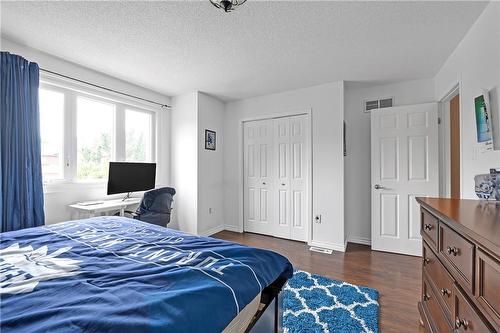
<point x="378" y="103"/>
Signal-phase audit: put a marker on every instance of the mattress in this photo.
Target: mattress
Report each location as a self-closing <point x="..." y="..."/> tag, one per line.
<point x="113" y="274"/>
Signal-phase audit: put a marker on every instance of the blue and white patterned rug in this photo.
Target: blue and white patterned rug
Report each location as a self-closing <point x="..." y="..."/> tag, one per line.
<point x="315" y="304"/>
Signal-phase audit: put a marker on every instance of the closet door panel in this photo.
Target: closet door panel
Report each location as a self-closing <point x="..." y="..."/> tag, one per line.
<point x="299" y="176"/>
<point x="259" y="215"/>
<point x="251" y="172"/>
<point x="282" y="180"/>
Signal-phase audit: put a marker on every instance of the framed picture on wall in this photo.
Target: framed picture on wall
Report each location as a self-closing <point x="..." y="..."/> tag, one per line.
<point x="483" y="121"/>
<point x="209" y="139"/>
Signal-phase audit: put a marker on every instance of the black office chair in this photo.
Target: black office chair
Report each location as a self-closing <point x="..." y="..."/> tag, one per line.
<point x="155" y="206"/>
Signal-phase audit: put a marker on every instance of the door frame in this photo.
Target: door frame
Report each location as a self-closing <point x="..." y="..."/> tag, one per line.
<point x="241" y="188"/>
<point x="444" y="141"/>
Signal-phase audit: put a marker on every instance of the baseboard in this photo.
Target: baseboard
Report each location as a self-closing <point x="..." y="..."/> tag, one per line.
<point x="233" y="228"/>
<point x="212" y="231"/>
<point x="359" y="240"/>
<point x="328" y="245"/>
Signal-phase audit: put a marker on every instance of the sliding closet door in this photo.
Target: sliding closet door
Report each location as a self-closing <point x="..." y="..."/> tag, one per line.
<point x="259" y="176"/>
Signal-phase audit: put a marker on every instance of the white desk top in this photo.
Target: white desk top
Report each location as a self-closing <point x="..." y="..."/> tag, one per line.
<point x="107" y="205"/>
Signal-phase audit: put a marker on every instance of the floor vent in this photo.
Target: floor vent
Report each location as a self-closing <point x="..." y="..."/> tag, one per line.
<point x="320" y="250"/>
<point x="378" y="103"/>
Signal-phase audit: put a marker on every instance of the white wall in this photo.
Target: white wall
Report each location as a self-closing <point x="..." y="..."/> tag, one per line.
<point x="210" y="166"/>
<point x="57" y="198"/>
<point x="358" y="160"/>
<point x="326" y="102"/>
<point x="475" y="64"/>
<point x="197" y="174"/>
<point x="184" y="161"/>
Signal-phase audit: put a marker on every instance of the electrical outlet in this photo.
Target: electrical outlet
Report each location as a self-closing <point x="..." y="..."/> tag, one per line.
<point x="317" y="218"/>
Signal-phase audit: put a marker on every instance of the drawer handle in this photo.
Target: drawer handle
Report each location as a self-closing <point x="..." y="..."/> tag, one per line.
<point x="452" y="250"/>
<point x="426" y="297"/>
<point x="427" y="227"/>
<point x="461" y="323"/>
<point x="425" y="261"/>
<point x="445" y="292"/>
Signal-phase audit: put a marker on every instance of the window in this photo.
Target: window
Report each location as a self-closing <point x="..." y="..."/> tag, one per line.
<point x="52" y="133"/>
<point x="83" y="130"/>
<point x="138" y="136"/>
<point x="94" y="136"/>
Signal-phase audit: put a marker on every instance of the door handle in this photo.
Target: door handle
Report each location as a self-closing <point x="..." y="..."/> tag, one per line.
<point x="263" y="183"/>
<point x="378" y="187"/>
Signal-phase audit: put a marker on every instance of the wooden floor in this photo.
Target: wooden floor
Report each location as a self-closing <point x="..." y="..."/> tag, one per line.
<point x="396" y="277"/>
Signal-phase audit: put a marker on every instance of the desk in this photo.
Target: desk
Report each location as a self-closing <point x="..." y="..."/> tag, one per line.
<point x="104" y="206"/>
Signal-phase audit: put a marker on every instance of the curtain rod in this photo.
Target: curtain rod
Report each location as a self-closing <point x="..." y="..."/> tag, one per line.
<point x="104" y="88"/>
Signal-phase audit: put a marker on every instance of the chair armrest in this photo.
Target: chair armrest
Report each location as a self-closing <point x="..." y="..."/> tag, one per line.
<point x="134" y="214"/>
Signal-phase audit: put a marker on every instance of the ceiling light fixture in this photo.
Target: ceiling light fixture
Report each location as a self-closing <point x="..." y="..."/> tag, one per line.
<point x="227" y="5"/>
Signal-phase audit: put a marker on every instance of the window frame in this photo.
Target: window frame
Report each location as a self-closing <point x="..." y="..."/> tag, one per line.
<point x="65" y="130"/>
<point x="74" y="158"/>
<point x="72" y="90"/>
<point x="152" y="126"/>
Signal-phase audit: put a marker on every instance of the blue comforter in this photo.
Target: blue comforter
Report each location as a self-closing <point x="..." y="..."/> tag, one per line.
<point x="112" y="274"/>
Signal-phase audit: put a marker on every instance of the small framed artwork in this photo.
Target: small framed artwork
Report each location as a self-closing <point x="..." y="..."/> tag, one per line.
<point x="484" y="129"/>
<point x="209" y="140"/>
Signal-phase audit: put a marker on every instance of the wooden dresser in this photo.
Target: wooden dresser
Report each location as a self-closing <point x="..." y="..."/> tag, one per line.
<point x="460" y="265"/>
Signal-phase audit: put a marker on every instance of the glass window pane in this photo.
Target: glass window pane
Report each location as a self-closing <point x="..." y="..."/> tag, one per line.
<point x="138" y="136"/>
<point x="52" y="133"/>
<point x="94" y="124"/>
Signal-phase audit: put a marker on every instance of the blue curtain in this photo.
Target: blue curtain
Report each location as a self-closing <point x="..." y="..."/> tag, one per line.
<point x="21" y="191"/>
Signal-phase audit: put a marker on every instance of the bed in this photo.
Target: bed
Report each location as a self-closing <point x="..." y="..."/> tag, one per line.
<point x="114" y="274"/>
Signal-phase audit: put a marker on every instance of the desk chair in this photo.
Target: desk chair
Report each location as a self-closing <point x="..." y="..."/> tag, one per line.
<point x="155" y="206"/>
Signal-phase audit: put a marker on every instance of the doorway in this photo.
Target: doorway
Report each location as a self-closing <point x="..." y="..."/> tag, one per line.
<point x="455" y="147"/>
<point x="450" y="148"/>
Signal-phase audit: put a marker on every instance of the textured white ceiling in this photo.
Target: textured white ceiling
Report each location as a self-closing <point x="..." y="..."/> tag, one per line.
<point x="263" y="47"/>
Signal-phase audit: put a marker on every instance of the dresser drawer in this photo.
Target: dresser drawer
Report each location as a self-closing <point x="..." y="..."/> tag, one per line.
<point x="439" y="277"/>
<point x="438" y="323"/>
<point x="467" y="319"/>
<point x="488" y="286"/>
<point x="429" y="228"/>
<point x="459" y="252"/>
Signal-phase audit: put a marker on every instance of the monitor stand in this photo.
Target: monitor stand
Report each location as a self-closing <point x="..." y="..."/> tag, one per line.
<point x="127" y="196"/>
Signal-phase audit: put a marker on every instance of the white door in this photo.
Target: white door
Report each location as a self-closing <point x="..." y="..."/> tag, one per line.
<point x="258" y="177"/>
<point x="276" y="175"/>
<point x="299" y="175"/>
<point x="404" y="164"/>
<point x="282" y="181"/>
<point x="291" y="183"/>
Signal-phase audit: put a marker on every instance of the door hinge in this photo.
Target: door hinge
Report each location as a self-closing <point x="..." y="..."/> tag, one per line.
<point x="439" y="120"/>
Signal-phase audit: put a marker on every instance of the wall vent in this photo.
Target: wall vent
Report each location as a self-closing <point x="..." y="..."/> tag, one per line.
<point x="320" y="250"/>
<point x="378" y="103"/>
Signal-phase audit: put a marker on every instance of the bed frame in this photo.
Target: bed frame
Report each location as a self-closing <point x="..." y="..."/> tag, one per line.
<point x="269" y="316"/>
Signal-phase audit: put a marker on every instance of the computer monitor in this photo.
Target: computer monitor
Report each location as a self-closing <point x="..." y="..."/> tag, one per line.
<point x="126" y="177"/>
